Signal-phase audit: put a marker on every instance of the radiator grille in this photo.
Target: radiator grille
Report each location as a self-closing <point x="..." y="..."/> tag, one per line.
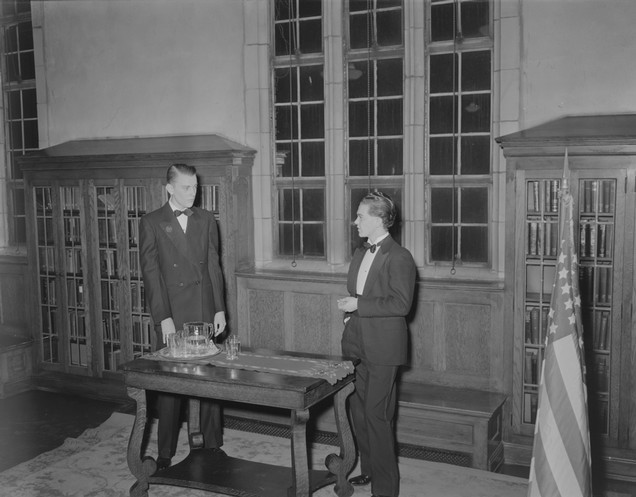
<point x="329" y="438"/>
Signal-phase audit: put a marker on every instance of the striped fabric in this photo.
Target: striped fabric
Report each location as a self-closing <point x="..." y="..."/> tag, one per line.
<point x="561" y="459"/>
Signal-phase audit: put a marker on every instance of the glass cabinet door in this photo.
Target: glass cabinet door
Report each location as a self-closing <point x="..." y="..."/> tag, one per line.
<point x="597" y="201"/>
<point x="540" y="254"/>
<point x="597" y="222"/>
<point x="109" y="277"/>
<point x="78" y="352"/>
<point x="47" y="274"/>
<point x="136" y="204"/>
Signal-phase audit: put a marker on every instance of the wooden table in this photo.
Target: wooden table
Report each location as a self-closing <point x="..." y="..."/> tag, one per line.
<point x="218" y="472"/>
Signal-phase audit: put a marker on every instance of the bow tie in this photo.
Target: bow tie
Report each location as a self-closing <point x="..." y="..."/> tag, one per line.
<point x="370" y="246"/>
<point x="187" y="212"/>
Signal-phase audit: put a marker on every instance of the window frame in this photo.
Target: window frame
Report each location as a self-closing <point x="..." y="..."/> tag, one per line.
<point x="416" y="182"/>
<point x="16" y="209"/>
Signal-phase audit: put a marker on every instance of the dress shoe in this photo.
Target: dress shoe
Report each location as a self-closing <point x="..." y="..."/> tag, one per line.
<point x="163" y="463"/>
<point x="360" y="480"/>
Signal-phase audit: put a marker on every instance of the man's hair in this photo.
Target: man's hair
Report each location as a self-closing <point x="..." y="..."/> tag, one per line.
<point x="381" y="205"/>
<point x="179" y="168"/>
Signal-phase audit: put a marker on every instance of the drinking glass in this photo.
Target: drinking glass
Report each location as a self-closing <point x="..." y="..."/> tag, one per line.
<point x="232" y="348"/>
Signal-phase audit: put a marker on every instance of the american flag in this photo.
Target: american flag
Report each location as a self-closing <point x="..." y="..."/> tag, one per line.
<point x="561" y="458"/>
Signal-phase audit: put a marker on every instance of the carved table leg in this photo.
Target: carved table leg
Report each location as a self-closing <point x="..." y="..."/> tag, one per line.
<point x="341" y="465"/>
<point x="300" y="460"/>
<point x="141" y="469"/>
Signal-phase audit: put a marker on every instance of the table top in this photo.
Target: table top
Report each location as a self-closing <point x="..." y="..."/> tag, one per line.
<point x="233" y="384"/>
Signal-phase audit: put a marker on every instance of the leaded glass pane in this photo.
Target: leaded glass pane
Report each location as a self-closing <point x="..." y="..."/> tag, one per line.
<point x="390" y="162"/>
<point x="313" y="155"/>
<point x="476" y="113"/>
<point x="441" y="155"/>
<point x="313" y="204"/>
<point x="475" y="18"/>
<point x="389" y="25"/>
<point x="390" y="77"/>
<point x="358" y="158"/>
<point x="474" y="243"/>
<point x="476" y="71"/>
<point x="474" y="205"/>
<point x="475" y="155"/>
<point x="390" y="117"/>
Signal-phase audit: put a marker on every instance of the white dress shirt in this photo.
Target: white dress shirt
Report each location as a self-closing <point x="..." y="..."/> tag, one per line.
<point x="183" y="219"/>
<point x="363" y="272"/>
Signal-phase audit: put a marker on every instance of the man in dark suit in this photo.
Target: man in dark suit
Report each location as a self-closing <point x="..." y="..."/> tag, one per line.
<point x="179" y="253"/>
<point x="381" y="284"/>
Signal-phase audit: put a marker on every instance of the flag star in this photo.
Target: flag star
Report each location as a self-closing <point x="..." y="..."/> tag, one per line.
<point x="568" y="304"/>
<point x="572" y="320"/>
<point x="562" y="258"/>
<point x="577" y="301"/>
<point x="551" y="313"/>
<point x="563" y="273"/>
<point x="565" y="289"/>
<point x="553" y="328"/>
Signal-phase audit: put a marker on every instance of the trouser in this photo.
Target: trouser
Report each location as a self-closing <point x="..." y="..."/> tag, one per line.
<point x="169" y="416"/>
<point x="372" y="407"/>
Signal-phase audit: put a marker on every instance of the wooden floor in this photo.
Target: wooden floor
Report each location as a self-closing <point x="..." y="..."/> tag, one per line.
<point x="38" y="421"/>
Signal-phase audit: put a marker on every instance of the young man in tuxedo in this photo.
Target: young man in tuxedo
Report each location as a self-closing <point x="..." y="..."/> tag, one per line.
<point x="183" y="281"/>
<point x="381" y="284"/>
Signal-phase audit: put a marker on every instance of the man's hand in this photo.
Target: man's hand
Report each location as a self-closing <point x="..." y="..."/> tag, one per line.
<point x="348" y="304"/>
<point x="219" y="323"/>
<point x="167" y="328"/>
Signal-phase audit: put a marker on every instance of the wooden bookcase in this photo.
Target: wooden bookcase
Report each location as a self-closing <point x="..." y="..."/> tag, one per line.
<point x="602" y="163"/>
<point x="84" y="202"/>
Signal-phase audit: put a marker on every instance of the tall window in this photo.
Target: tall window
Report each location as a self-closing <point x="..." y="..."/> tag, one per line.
<point x="20" y="105"/>
<point x="456" y="136"/>
<point x="375" y="82"/>
<point x="459" y="139"/>
<point x="300" y="127"/>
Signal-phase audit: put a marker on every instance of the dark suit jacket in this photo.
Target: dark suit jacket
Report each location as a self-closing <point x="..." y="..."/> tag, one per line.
<point x="181" y="271"/>
<point x="385" y="301"/>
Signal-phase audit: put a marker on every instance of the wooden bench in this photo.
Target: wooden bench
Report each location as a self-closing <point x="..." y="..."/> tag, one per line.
<point x="463" y="425"/>
<point x="453" y="419"/>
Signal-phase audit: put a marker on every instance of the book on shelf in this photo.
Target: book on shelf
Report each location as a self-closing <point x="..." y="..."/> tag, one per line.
<point x="532" y="238"/>
<point x="531" y="363"/>
<point x="78" y="352"/>
<point x="133" y="232"/>
<point x="602" y="229"/>
<point x="535" y="324"/>
<point x="586" y="279"/>
<point x="587" y="196"/>
<point x="545" y="313"/>
<point x="607" y="200"/>
<point x="113" y="359"/>
<point x="601" y="372"/>
<point x="604" y="283"/>
<point x="604" y="331"/>
<point x="528" y="325"/>
<point x="554" y="189"/>
<point x="533" y="196"/>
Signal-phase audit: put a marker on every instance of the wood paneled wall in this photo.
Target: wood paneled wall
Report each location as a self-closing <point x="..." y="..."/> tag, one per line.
<point x="456" y="330"/>
<point x="13" y="296"/>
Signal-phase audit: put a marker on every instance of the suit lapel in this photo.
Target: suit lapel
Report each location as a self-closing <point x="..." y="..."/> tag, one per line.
<point x="194" y="234"/>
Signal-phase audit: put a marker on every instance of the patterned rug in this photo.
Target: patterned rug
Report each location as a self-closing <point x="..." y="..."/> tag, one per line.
<point x="94" y="465"/>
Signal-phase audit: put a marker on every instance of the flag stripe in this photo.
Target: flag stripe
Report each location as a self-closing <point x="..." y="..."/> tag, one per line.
<point x="556" y="457"/>
<point x="546" y="482"/>
<point x="563" y="400"/>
